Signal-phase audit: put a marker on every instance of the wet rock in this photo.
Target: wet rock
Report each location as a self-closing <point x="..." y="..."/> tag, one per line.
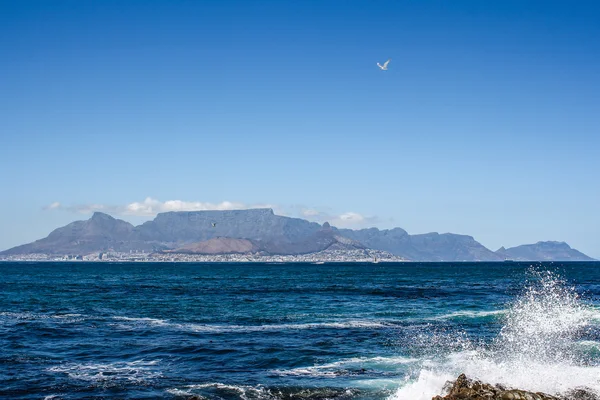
<point x="581" y="394"/>
<point x="468" y="389"/>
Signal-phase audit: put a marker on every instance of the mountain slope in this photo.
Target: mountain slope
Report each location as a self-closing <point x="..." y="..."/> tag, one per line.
<point x="260" y="230"/>
<point x="543" y="251"/>
<point x="100" y="232"/>
<point x="424" y="247"/>
<point x="256" y="224"/>
<point x="323" y="239"/>
<point x="218" y="246"/>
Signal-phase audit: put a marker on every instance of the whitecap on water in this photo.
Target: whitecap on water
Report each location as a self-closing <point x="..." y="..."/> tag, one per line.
<point x="241" y="391"/>
<point x="351" y="366"/>
<point x="259" y="392"/>
<point x="16" y="317"/>
<point x="128" y="323"/>
<point x="135" y="371"/>
<point x="537" y="349"/>
<point x="470" y="314"/>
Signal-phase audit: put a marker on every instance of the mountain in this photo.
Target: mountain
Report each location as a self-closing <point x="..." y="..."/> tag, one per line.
<point x="180" y="227"/>
<point x="323" y="239"/>
<point x="218" y="246"/>
<point x="424" y="247"/>
<point x="543" y="251"/>
<point x="100" y="232"/>
<point x="261" y="231"/>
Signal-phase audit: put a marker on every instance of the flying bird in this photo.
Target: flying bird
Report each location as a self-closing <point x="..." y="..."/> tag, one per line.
<point x="214" y="224"/>
<point x="384" y="66"/>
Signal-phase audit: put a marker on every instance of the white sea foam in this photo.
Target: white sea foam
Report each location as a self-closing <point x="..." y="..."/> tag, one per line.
<point x="144" y="321"/>
<point x="259" y="392"/>
<point x="244" y="392"/>
<point x="589" y="344"/>
<point x="34" y="316"/>
<point x="135" y="371"/>
<point x="470" y="314"/>
<point x="283" y="327"/>
<point x="536" y="350"/>
<point x="152" y="322"/>
<point x="8" y="318"/>
<point x="348" y="366"/>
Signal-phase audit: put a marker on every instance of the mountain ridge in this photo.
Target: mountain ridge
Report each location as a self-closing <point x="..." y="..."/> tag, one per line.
<point x="261" y="230"/>
<point x="542" y="251"/>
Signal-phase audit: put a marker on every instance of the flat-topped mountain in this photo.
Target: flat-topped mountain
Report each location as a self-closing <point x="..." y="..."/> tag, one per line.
<point x="543" y="251"/>
<point x="258" y="224"/>
<point x="262" y="231"/>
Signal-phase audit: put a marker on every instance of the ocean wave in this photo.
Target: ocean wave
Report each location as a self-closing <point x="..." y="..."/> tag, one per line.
<point x="589" y="344"/>
<point x="243" y="391"/>
<point x="537" y="349"/>
<point x="34" y="316"/>
<point x="144" y="321"/>
<point x="535" y="377"/>
<point x="12" y="318"/>
<point x="283" y="327"/>
<point x="260" y="392"/>
<point x="139" y="371"/>
<point x="469" y="314"/>
<point x="351" y="366"/>
<point x="193" y="327"/>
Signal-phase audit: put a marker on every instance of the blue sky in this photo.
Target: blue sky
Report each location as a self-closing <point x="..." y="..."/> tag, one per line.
<point x="486" y="123"/>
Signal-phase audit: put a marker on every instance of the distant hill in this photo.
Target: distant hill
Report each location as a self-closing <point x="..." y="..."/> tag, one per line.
<point x="543" y="251"/>
<point x="260" y="230"/>
<point x="218" y="246"/>
<point x="323" y="239"/>
<point x="100" y="232"/>
<point x="424" y="247"/>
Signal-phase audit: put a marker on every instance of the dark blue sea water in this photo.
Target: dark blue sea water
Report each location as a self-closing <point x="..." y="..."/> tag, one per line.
<point x="294" y="331"/>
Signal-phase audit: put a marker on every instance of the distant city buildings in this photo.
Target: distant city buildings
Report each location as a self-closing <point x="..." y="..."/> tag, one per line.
<point x="358" y="255"/>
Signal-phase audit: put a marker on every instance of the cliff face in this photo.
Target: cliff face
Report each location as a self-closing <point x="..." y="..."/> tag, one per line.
<point x="256" y="224"/>
<point x="263" y="231"/>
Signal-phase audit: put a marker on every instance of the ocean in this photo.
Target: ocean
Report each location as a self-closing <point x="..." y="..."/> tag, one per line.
<point x="294" y="331"/>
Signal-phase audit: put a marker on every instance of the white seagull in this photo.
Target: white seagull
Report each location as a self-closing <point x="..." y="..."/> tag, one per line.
<point x="384" y="66"/>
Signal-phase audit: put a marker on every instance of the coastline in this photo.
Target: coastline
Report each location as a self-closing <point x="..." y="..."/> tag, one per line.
<point x="331" y="256"/>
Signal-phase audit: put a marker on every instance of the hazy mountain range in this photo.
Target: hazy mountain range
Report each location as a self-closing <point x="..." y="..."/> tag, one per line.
<point x="261" y="231"/>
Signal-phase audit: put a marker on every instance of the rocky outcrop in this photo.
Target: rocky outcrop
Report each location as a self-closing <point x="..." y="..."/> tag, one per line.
<point x="468" y="389"/>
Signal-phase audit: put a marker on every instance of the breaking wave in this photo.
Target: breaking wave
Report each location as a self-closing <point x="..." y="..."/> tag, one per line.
<point x="139" y="371"/>
<point x="193" y="327"/>
<point x="470" y="314"/>
<point x="541" y="347"/>
<point x="226" y="391"/>
<point x="351" y="366"/>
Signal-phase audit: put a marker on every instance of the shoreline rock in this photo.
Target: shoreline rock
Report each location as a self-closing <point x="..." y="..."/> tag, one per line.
<point x="469" y="389"/>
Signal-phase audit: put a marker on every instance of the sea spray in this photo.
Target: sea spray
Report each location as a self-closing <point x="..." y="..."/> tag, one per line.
<point x="536" y="349"/>
<point x="543" y="324"/>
